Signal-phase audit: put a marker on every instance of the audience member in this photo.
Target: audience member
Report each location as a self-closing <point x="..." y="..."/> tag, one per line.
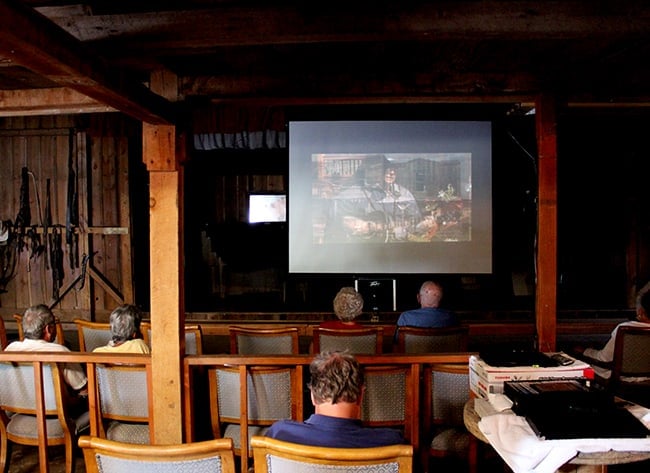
<point x="337" y="387"/>
<point x="39" y="331"/>
<point x="606" y="354"/>
<point x="348" y="304"/>
<point x="430" y="314"/>
<point x="125" y="332"/>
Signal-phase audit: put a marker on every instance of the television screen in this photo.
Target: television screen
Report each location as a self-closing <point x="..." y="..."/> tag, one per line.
<point x="267" y="207"/>
<point x="387" y="197"/>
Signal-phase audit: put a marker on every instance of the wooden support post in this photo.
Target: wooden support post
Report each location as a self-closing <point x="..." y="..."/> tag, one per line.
<point x="161" y="146"/>
<point x="167" y="304"/>
<point x="546" y="289"/>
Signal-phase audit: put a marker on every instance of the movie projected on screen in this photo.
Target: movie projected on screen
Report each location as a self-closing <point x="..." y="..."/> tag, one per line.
<point x="369" y="197"/>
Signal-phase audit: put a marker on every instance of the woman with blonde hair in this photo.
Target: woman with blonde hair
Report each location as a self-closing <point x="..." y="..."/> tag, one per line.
<point x="348" y="305"/>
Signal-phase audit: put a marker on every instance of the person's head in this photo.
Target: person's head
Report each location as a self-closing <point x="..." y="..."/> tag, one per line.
<point x="389" y="175"/>
<point x="39" y="323"/>
<point x="337" y="383"/>
<point x="430" y="294"/>
<point x="643" y="307"/>
<point x="125" y="323"/>
<point x="348" y="304"/>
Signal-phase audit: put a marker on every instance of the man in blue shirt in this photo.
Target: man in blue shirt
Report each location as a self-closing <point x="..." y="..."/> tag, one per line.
<point x="429" y="315"/>
<point x="337" y="386"/>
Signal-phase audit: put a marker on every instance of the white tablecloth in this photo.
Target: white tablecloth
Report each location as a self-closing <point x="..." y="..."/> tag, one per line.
<point x="524" y="452"/>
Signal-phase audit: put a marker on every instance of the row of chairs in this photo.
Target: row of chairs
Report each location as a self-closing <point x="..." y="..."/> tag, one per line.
<point x="285" y="340"/>
<point x="274" y="393"/>
<point x="367" y="340"/>
<point x="122" y="395"/>
<point x="216" y="456"/>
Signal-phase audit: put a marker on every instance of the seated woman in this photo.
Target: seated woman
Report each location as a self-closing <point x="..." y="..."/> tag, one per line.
<point x="348" y="304"/>
<point x="125" y="332"/>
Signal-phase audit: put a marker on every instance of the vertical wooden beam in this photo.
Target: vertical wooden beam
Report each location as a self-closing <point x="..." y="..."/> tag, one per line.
<point x="167" y="304"/>
<point x="166" y="268"/>
<point x="546" y="289"/>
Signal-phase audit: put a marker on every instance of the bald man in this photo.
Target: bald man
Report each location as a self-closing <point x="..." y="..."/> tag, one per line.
<point x="430" y="314"/>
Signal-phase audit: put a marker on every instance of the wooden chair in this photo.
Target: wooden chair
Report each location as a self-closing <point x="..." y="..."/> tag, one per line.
<point x="193" y="338"/>
<point x="367" y="340"/>
<point x="631" y="360"/>
<point x="3" y="334"/>
<point x="108" y="456"/>
<point x="388" y="399"/>
<point x="269" y="394"/>
<point x="276" y="456"/>
<point x="432" y="340"/>
<point x="92" y="334"/>
<point x="21" y="419"/>
<point x="264" y="341"/>
<point x="446" y="390"/>
<point x="60" y="335"/>
<point x="122" y="399"/>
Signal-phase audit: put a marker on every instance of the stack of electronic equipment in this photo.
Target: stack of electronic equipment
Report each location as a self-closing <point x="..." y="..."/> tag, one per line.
<point x="572" y="409"/>
<point x="489" y="370"/>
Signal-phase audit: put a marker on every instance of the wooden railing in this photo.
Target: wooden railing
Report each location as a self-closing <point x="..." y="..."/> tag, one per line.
<point x="243" y="363"/>
<point x="194" y="363"/>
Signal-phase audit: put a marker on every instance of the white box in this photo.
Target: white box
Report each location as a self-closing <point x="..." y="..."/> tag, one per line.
<point x="493" y="374"/>
<point x="485" y="379"/>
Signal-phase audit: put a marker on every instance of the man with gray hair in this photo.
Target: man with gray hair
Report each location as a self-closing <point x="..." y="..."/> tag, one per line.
<point x="39" y="330"/>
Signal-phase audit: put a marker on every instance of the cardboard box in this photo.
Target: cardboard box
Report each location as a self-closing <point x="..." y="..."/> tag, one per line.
<point x="493" y="374"/>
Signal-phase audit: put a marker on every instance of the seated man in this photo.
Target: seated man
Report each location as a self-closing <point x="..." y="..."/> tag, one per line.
<point x="337" y="386"/>
<point x="39" y="329"/>
<point x="125" y="332"/>
<point x="429" y="314"/>
<point x="601" y="359"/>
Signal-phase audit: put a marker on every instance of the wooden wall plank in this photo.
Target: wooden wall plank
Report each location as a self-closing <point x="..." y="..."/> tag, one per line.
<point x="45" y="151"/>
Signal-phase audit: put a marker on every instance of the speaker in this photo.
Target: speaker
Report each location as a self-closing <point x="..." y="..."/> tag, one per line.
<point x="379" y="295"/>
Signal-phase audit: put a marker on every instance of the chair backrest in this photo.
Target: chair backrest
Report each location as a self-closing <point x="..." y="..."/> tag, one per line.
<point x="631" y="353"/>
<point x="123" y="394"/>
<point x="18" y="391"/>
<point x="271" y="393"/>
<point x="446" y="389"/>
<point x="108" y="456"/>
<point x="193" y="338"/>
<point x="387" y="399"/>
<point x="432" y="340"/>
<point x="264" y="341"/>
<point x="60" y="335"/>
<point x="92" y="334"/>
<point x="367" y="340"/>
<point x="276" y="456"/>
<point x="446" y="392"/>
<point x="18" y="396"/>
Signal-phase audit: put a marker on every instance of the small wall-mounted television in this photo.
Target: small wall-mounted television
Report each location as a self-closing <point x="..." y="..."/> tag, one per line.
<point x="267" y="207"/>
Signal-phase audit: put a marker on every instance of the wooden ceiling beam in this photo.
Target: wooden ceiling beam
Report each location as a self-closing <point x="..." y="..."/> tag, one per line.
<point x="341" y="22"/>
<point x="34" y="42"/>
<point x="55" y="101"/>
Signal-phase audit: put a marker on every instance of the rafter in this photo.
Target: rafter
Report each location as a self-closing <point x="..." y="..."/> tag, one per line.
<point x="39" y="45"/>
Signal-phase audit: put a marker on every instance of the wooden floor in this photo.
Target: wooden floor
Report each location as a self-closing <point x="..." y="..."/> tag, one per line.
<point x="24" y="459"/>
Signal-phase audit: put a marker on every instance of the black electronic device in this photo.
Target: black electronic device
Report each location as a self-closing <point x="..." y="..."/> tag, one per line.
<point x="510" y="358"/>
<point x="570" y="409"/>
